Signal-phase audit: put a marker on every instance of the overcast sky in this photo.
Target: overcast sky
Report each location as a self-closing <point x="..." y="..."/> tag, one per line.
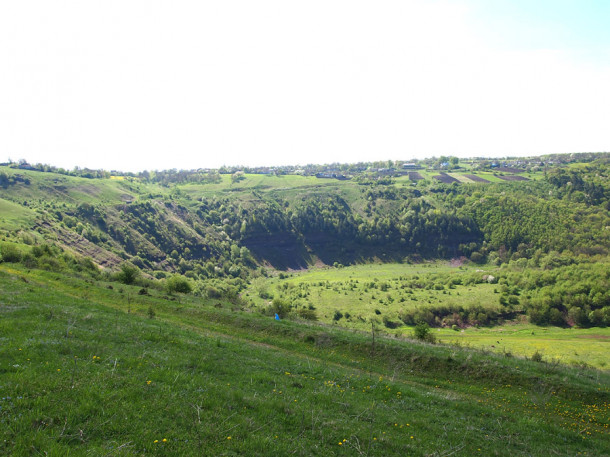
<point x="145" y="84"/>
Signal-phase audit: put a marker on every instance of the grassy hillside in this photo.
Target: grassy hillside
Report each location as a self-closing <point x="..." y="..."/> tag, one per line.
<point x="14" y="216"/>
<point x="236" y="235"/>
<point x="95" y="368"/>
<point x="137" y="311"/>
<point x="293" y="221"/>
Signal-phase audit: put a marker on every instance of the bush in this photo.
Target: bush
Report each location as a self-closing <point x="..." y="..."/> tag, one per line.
<point x="9" y="253"/>
<point x="389" y="323"/>
<point x="477" y="257"/>
<point x="280" y="307"/>
<point x="213" y="292"/>
<point x="129" y="274"/>
<point x="556" y="318"/>
<point x="338" y="316"/>
<point x="49" y="263"/>
<point x="536" y="357"/>
<point x="29" y="260"/>
<point x="422" y="333"/>
<point x="308" y="314"/>
<point x="178" y="284"/>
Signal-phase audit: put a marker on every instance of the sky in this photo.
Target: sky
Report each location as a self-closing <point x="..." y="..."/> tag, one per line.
<point x="137" y="85"/>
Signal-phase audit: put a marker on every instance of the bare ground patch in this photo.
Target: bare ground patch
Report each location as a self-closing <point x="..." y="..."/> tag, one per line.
<point x="513" y="178"/>
<point x="476" y="178"/>
<point x="445" y="178"/>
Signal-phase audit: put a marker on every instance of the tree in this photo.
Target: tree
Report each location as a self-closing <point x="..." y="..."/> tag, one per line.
<point x="129" y="273"/>
<point x="422" y="333"/>
<point x="4" y="179"/>
<point x="237" y="176"/>
<point x="280" y="307"/>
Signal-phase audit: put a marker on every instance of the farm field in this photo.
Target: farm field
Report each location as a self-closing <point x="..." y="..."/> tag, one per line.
<point x="513" y="178"/>
<point x="475" y="178"/>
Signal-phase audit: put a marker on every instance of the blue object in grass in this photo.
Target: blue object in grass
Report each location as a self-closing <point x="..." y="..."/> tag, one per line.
<point x="277" y="317"/>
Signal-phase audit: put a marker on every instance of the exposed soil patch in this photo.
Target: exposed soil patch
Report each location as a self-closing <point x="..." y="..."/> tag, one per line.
<point x="415" y="176"/>
<point x="74" y="242"/>
<point x="457" y="261"/>
<point x="89" y="189"/>
<point x="445" y="178"/>
<point x="476" y="178"/>
<point x="513" y="178"/>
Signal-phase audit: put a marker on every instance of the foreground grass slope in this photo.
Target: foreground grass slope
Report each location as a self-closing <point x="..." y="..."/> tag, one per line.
<point x="90" y="370"/>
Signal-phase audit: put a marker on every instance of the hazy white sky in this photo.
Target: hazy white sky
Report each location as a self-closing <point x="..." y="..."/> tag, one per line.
<point x="134" y="84"/>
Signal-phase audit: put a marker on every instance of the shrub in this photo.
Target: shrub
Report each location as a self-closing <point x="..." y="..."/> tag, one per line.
<point x="49" y="263"/>
<point x="129" y="274"/>
<point x="308" y="314"/>
<point x="389" y="323"/>
<point x="536" y="357"/>
<point x="178" y="284"/>
<point x="280" y="307"/>
<point x="29" y="260"/>
<point x="422" y="333"/>
<point x="10" y="253"/>
<point x="43" y="249"/>
<point x="477" y="257"/>
<point x="556" y="317"/>
<point x="213" y="292"/>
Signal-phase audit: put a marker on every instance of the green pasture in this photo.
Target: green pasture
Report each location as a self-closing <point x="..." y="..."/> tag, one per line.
<point x="14" y="216"/>
<point x="251" y="182"/>
<point x="367" y="295"/>
<point x="290" y="187"/>
<point x="571" y="346"/>
<point x="374" y="291"/>
<point x="382" y="271"/>
<point x="47" y="187"/>
<point x="96" y="368"/>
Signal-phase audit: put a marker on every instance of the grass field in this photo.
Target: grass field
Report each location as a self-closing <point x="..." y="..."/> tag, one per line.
<point x="50" y="187"/>
<point x="570" y="346"/>
<point x="362" y="289"/>
<point x="92" y="370"/>
<point x="14" y="216"/>
<point x="366" y="294"/>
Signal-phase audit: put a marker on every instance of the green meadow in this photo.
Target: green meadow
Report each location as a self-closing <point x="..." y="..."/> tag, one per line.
<point x="137" y="311"/>
<point x="372" y="294"/>
<point x="574" y="346"/>
<point x="90" y="367"/>
<point x="14" y="216"/>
